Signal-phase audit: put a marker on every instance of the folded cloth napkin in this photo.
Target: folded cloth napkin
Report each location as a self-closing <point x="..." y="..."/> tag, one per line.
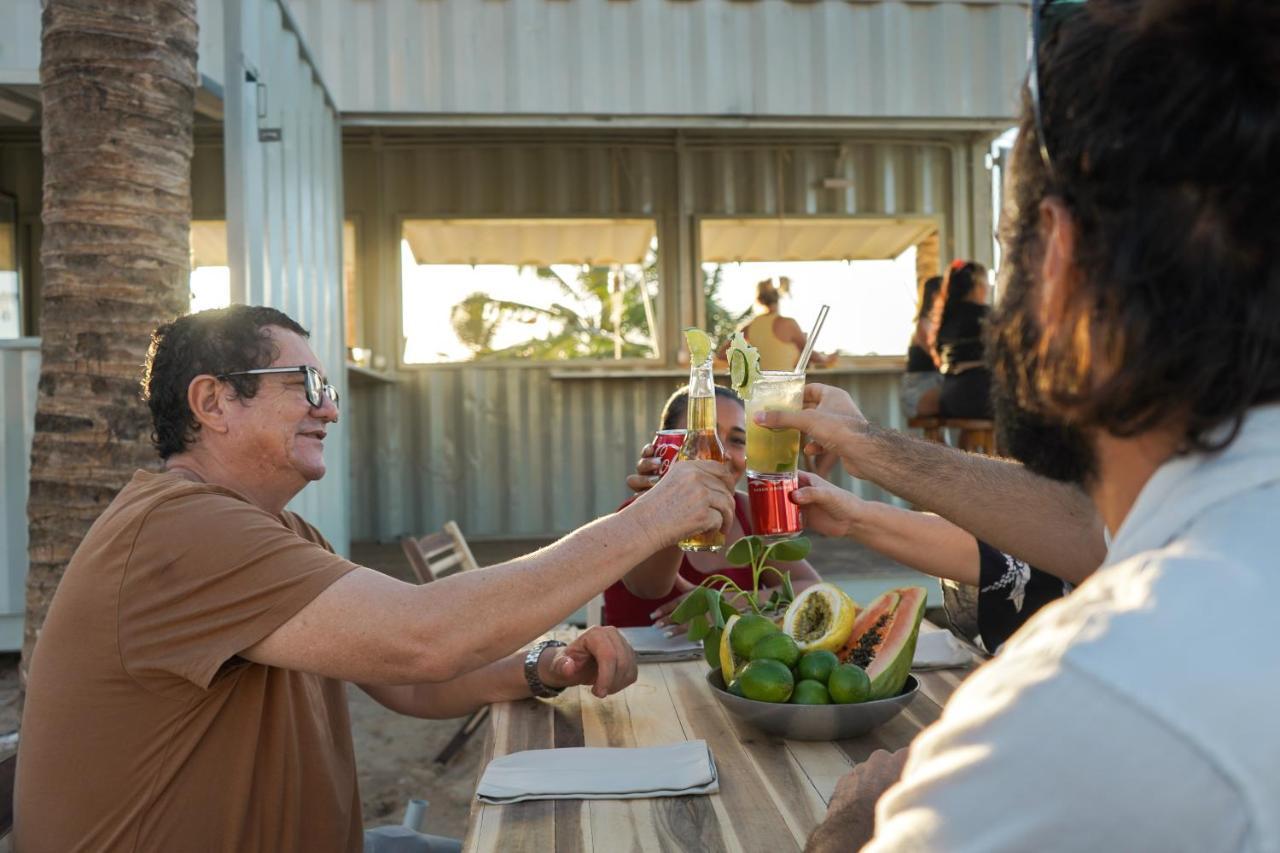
<point x="652" y="645"/>
<point x="600" y="773"/>
<point x="939" y="650"/>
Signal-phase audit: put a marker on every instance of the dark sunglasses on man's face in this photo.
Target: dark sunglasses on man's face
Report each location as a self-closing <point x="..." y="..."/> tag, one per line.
<point x="316" y="386"/>
<point x="1046" y="15"/>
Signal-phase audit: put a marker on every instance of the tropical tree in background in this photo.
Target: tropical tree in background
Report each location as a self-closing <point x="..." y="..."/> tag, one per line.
<point x="603" y="315"/>
<point x="117" y="82"/>
<point x="721" y="322"/>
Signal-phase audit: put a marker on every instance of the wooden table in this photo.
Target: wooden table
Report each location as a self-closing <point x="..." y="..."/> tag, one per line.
<point x="773" y="792"/>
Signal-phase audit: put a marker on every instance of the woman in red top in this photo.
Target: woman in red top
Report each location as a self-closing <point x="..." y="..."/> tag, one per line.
<point x="651" y="590"/>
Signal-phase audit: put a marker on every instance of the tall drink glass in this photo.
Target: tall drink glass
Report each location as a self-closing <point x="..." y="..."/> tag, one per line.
<point x="772" y="456"/>
<point x="702" y="441"/>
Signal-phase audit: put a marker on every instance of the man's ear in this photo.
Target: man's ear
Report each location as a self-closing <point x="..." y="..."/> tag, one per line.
<point x="1058" y="280"/>
<point x="206" y="397"/>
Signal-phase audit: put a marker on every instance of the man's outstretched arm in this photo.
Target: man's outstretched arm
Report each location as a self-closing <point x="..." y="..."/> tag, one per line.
<point x="1053" y="526"/>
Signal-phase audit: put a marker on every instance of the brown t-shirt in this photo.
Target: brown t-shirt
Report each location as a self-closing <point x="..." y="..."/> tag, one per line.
<point x="142" y="729"/>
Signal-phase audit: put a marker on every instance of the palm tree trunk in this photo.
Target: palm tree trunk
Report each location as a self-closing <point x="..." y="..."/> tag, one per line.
<point x="117" y="79"/>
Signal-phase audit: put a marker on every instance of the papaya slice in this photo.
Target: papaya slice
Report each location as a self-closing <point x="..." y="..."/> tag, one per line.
<point x="883" y="640"/>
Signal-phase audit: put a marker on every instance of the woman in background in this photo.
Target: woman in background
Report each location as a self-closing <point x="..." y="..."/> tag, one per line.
<point x="779" y="339"/>
<point x="921" y="384"/>
<point x="961" y="310"/>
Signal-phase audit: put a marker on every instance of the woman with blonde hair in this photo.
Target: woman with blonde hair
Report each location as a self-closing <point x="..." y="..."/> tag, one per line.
<point x="779" y="339"/>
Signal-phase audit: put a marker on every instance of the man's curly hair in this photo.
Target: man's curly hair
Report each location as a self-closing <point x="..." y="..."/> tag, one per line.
<point x="221" y="340"/>
<point x="1161" y="120"/>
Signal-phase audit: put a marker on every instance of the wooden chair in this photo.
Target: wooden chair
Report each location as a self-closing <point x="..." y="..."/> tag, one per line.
<point x="930" y="426"/>
<point x="432" y="557"/>
<point x="976" y="436"/>
<point x="437" y="555"/>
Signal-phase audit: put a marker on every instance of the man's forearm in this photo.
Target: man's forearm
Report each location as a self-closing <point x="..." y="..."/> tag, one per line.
<point x="477" y="617"/>
<point x="501" y="681"/>
<point x="1053" y="526"/>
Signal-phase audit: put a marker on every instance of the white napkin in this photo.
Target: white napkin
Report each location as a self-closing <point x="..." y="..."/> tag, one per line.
<point x="600" y="773"/>
<point x="939" y="650"/>
<point x="652" y="645"/>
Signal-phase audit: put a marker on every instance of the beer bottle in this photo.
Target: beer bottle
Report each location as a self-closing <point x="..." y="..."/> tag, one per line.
<point x="702" y="441"/>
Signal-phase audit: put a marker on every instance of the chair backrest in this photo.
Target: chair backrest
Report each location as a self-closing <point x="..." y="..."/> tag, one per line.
<point x="437" y="555"/>
<point x="8" y="768"/>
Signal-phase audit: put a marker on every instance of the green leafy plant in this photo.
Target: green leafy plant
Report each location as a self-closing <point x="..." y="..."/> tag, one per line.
<point x="706" y="608"/>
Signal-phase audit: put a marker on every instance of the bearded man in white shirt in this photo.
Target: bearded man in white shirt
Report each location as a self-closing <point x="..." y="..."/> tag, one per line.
<point x="1142" y="313"/>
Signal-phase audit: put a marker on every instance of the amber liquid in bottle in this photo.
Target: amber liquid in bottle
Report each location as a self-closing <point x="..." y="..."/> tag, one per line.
<point x="702" y="441"/>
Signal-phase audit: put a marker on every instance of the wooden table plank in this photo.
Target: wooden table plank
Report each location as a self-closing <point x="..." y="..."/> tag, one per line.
<point x="761" y="811"/>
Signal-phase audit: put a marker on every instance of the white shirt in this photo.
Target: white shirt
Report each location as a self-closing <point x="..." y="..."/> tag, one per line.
<point x="1143" y="711"/>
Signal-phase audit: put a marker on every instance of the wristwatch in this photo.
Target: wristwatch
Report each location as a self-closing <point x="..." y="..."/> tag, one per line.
<point x="536" y="687"/>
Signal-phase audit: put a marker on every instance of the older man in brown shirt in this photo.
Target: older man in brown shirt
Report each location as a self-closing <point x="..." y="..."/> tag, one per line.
<point x="186" y="690"/>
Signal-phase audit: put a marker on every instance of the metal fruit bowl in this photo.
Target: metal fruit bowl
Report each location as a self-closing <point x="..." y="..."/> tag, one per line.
<point x="813" y="722"/>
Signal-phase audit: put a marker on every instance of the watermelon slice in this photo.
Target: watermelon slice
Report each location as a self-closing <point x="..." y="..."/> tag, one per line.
<point x="883" y="641"/>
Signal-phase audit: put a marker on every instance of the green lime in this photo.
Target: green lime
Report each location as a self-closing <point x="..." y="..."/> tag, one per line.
<point x="777" y="646"/>
<point x="810" y="692"/>
<point x="848" y="684"/>
<point x="766" y="681"/>
<point x="700" y="345"/>
<point x="747" y="631"/>
<point x="711" y="647"/>
<point x="735" y="687"/>
<point x="817" y="665"/>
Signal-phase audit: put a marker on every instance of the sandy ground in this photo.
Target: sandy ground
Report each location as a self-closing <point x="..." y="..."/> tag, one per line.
<point x="394" y="754"/>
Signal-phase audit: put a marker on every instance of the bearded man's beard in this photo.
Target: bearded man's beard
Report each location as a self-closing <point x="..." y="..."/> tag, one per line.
<point x="1047" y="446"/>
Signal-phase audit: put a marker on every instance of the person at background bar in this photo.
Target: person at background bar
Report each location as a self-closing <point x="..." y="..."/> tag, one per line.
<point x="960" y="312"/>
<point x="779" y="339"/>
<point x="921" y="382"/>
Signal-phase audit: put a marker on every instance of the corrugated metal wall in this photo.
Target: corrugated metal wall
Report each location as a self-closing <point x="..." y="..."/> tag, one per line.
<point x="284" y="209"/>
<point x="19" y="374"/>
<point x="890" y="60"/>
<point x="20" y="40"/>
<point x="536" y="449"/>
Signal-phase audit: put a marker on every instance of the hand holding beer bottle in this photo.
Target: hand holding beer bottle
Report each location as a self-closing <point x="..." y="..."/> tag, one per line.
<point x="701" y="438"/>
<point x="693" y="498"/>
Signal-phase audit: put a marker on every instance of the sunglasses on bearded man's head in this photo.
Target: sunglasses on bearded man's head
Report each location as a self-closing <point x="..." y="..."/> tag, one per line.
<point x="1046" y="15"/>
<point x="317" y="387"/>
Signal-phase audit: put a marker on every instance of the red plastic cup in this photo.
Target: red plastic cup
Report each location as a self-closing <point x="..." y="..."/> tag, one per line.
<point x="773" y="515"/>
<point x="666" y="445"/>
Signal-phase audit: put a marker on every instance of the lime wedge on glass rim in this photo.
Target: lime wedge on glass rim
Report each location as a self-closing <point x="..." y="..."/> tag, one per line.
<point x="700" y="345"/>
<point x="744" y="365"/>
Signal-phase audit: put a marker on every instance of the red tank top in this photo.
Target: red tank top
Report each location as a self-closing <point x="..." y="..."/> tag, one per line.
<point x="625" y="609"/>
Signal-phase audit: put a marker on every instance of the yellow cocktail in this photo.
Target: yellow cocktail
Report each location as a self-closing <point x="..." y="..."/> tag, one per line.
<point x="774" y="451"/>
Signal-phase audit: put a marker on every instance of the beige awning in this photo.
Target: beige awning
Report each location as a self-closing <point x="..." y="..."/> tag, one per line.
<point x="208" y="243"/>
<point x="861" y="239"/>
<point x="529" y="242"/>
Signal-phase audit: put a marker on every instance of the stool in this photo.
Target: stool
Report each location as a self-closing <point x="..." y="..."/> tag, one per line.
<point x="930" y="426"/>
<point x="976" y="435"/>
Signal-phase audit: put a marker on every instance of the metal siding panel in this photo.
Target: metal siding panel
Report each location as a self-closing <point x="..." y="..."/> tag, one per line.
<point x="20" y="42"/>
<point x="284" y="215"/>
<point x="19" y="376"/>
<point x="948" y="58"/>
<point x="210" y="49"/>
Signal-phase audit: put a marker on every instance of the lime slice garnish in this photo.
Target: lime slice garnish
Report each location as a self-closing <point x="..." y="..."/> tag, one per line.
<point x="700" y="345"/>
<point x="744" y="365"/>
